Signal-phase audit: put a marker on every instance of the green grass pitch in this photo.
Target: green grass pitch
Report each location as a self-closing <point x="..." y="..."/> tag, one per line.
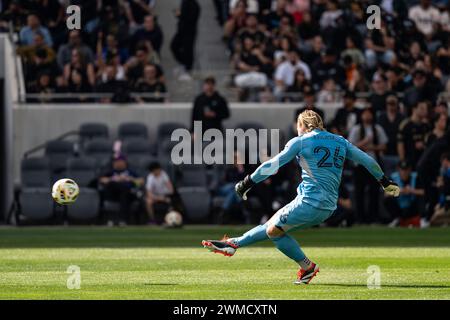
<point x="155" y="263"/>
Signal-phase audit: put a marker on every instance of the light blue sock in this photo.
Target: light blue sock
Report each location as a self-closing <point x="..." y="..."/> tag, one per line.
<point x="254" y="235"/>
<point x="289" y="247"/>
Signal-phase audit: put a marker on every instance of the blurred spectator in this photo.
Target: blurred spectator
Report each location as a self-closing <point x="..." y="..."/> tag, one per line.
<point x="15" y="14"/>
<point x="65" y="51"/>
<point x="210" y="107"/>
<point x="109" y="83"/>
<point x="328" y="93"/>
<point x="182" y="45"/>
<point x="33" y="26"/>
<point x="159" y="193"/>
<point x="426" y="17"/>
<point x="412" y="134"/>
<point x="134" y="68"/>
<point x="285" y="72"/>
<point x="353" y="52"/>
<point x="419" y="91"/>
<point x="151" y="84"/>
<point x="236" y="19"/>
<point x="390" y="120"/>
<point x="250" y="66"/>
<point x="372" y="139"/>
<point x="344" y="214"/>
<point x="295" y="91"/>
<point x="83" y="69"/>
<point x="441" y="215"/>
<point x="377" y="99"/>
<point x="327" y="67"/>
<point x="233" y="174"/>
<point x="150" y="32"/>
<point x="44" y="87"/>
<point x="405" y="209"/>
<point x="347" y="116"/>
<point x="138" y="10"/>
<point x="118" y="185"/>
<point x="439" y="122"/>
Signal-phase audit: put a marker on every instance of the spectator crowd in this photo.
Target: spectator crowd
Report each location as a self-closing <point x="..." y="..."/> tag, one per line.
<point x="117" y="50"/>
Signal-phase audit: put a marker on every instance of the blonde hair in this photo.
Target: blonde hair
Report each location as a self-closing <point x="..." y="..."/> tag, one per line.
<point x="310" y="120"/>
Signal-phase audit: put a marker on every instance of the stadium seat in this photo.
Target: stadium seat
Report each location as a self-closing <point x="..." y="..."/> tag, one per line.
<point x="82" y="170"/>
<point x="191" y="175"/>
<point x="86" y="207"/>
<point x="35" y="172"/>
<point x="140" y="164"/>
<point x="99" y="149"/>
<point x="132" y="130"/>
<point x="58" y="151"/>
<point x="36" y="203"/>
<point x="137" y="147"/>
<point x="92" y="130"/>
<point x="196" y="202"/>
<point x="165" y="130"/>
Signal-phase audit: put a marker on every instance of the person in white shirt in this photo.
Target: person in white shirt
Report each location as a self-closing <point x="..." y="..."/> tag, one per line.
<point x="159" y="191"/>
<point x="285" y="72"/>
<point x="426" y="17"/>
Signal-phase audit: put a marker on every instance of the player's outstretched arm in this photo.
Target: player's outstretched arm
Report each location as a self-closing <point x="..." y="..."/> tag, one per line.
<point x="269" y="167"/>
<point x="360" y="157"/>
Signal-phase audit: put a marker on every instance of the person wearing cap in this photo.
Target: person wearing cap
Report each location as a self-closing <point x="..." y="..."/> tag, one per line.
<point x="210" y="107"/>
<point x="372" y="139"/>
<point x="405" y="209"/>
<point x="347" y="116"/>
<point x="118" y="184"/>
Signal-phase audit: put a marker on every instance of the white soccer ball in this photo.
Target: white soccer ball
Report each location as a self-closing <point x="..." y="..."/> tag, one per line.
<point x="173" y="219"/>
<point x="65" y="191"/>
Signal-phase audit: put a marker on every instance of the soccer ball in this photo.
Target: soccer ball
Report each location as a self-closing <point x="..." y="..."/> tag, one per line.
<point x="65" y="191"/>
<point x="173" y="219"/>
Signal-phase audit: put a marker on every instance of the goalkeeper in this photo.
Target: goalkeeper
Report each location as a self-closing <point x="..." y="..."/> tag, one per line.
<point x="321" y="155"/>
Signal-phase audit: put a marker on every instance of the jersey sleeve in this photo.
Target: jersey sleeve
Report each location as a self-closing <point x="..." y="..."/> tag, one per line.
<point x="360" y="157"/>
<point x="271" y="166"/>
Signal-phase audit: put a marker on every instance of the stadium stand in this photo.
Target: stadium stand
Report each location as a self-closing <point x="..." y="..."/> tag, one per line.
<point x="393" y="82"/>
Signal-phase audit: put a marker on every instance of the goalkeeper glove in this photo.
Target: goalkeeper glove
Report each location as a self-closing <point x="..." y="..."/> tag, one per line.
<point x="389" y="187"/>
<point x="244" y="186"/>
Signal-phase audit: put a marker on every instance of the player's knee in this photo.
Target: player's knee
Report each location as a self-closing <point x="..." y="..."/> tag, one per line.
<point x="274" y="232"/>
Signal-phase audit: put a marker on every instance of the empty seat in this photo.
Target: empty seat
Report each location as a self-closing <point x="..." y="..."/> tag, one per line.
<point x="93" y="130"/>
<point x="82" y="170"/>
<point x="132" y="130"/>
<point x="35" y="172"/>
<point x="86" y="207"/>
<point x="140" y="164"/>
<point x="137" y="147"/>
<point x="36" y="203"/>
<point x="165" y="130"/>
<point x="191" y="175"/>
<point x="99" y="149"/>
<point x="196" y="202"/>
<point x="58" y="151"/>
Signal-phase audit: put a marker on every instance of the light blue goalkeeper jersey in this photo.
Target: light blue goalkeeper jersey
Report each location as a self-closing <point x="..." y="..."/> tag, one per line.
<point x="321" y="155"/>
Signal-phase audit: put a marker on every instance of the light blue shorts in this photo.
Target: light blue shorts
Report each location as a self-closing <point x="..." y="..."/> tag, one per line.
<point x="299" y="215"/>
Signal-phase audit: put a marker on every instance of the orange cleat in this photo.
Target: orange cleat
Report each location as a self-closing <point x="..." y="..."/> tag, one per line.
<point x="305" y="276"/>
<point x="225" y="247"/>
